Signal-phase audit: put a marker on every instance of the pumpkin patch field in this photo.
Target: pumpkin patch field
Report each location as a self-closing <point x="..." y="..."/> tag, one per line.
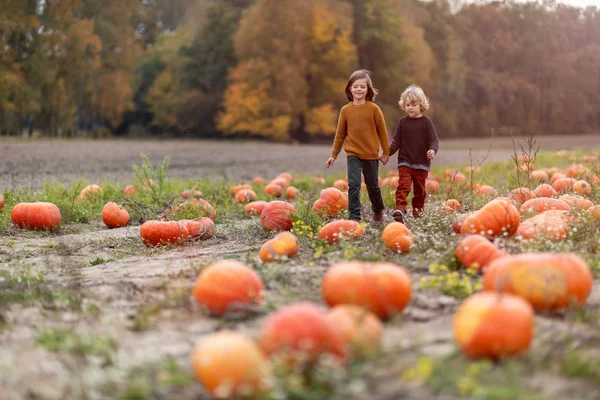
<point x="199" y="270"/>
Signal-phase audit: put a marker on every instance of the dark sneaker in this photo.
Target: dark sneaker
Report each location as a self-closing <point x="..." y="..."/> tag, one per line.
<point x="378" y="217"/>
<point x="399" y="215"/>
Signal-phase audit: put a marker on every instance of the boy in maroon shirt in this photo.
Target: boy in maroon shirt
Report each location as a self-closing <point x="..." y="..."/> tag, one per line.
<point x="417" y="142"/>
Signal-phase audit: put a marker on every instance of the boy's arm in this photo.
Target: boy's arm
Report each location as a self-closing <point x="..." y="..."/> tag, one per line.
<point x="340" y="135"/>
<point x="433" y="137"/>
<point x="397" y="139"/>
<point x="382" y="132"/>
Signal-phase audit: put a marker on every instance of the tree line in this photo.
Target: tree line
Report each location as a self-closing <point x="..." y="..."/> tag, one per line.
<point x="276" y="69"/>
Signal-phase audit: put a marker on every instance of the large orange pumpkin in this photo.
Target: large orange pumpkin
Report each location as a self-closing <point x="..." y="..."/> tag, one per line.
<point x="545" y="190"/>
<point x="541" y="204"/>
<point x="544" y="226"/>
<point x="582" y="187"/>
<point x="230" y="364"/>
<point x="576" y="201"/>
<point x="281" y="247"/>
<point x="476" y="251"/>
<point x="384" y="288"/>
<point x="331" y="203"/>
<point x="499" y="217"/>
<point x="492" y="325"/>
<point x="361" y="329"/>
<point x="255" y="207"/>
<point x="277" y="216"/>
<point x="549" y="281"/>
<point x="163" y="233"/>
<point x="564" y="184"/>
<point x="300" y="332"/>
<point x="38" y="215"/>
<point x="337" y="231"/>
<point x="397" y="237"/>
<point x="226" y="285"/>
<point x="114" y="216"/>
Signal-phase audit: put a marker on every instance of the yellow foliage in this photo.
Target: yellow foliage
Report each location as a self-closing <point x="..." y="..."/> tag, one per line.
<point x="114" y="97"/>
<point x="321" y="120"/>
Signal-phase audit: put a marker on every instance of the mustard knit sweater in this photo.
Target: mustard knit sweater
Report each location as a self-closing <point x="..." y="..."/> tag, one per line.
<point x="361" y="129"/>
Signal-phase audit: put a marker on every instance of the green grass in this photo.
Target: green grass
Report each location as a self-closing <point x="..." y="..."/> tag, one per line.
<point x="69" y="341"/>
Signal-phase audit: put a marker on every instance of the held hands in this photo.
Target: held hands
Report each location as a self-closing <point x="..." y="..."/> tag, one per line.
<point x="384" y="159"/>
<point x="431" y="154"/>
<point x="329" y="162"/>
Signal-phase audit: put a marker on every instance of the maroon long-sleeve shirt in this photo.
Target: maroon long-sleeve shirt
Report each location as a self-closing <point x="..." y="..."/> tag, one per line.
<point x="413" y="138"/>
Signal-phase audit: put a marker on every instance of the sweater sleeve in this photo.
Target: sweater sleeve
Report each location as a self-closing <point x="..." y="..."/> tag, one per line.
<point x="433" y="137"/>
<point x="397" y="139"/>
<point x="382" y="131"/>
<point x="340" y="135"/>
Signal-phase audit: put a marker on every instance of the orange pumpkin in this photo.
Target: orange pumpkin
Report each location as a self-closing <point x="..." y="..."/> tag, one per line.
<point x="545" y="190"/>
<point x="197" y="207"/>
<point x="38" y="215"/>
<point x="273" y="190"/>
<point x="259" y="180"/>
<point x="300" y="332"/>
<point x="129" y="191"/>
<point x="556" y="176"/>
<point x="342" y="229"/>
<point x="245" y="196"/>
<point x="233" y="190"/>
<point x="564" y="184"/>
<point x="114" y="216"/>
<point x="582" y="187"/>
<point x="291" y="193"/>
<point x="499" y="217"/>
<point x="383" y="288"/>
<point x="575" y="201"/>
<point x="89" y="191"/>
<point x="549" y="281"/>
<point x="390" y="182"/>
<point x="281" y="181"/>
<point x="541" y="204"/>
<point x="520" y="195"/>
<point x="451" y="205"/>
<point x="200" y="228"/>
<point x="255" y="207"/>
<point x="594" y="211"/>
<point x="432" y="186"/>
<point x="277" y="216"/>
<point x="492" y="325"/>
<point x="230" y="365"/>
<point x="1" y="203"/>
<point x="458" y="222"/>
<point x="544" y="226"/>
<point x="475" y="251"/>
<point x="228" y="285"/>
<point x="360" y="329"/>
<point x="163" y="233"/>
<point x="319" y="180"/>
<point x="189" y="193"/>
<point x="486" y="190"/>
<point x="539" y="176"/>
<point x="286" y="175"/>
<point x="341" y="185"/>
<point x="397" y="237"/>
<point x="331" y="203"/>
<point x="281" y="247"/>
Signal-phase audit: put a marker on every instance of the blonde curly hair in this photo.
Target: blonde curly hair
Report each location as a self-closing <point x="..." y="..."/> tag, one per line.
<point x="415" y="94"/>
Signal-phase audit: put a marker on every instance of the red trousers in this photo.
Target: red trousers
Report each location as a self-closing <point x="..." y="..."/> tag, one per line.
<point x="416" y="177"/>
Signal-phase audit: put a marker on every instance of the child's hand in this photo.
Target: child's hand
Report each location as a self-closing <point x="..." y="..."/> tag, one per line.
<point x="329" y="162"/>
<point x="431" y="154"/>
<point x="384" y="159"/>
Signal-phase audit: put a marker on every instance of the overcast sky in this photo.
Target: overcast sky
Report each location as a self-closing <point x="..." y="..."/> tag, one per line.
<point x="581" y="3"/>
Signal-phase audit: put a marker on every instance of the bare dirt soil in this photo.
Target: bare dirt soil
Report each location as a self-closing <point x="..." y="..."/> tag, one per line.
<point x="135" y="303"/>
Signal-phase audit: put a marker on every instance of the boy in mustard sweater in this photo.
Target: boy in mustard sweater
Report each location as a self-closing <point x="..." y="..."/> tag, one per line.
<point x="361" y="129"/>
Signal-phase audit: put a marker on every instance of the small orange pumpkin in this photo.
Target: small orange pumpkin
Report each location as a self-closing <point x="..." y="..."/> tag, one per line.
<point x="541" y="204"/>
<point x="382" y="287"/>
<point x="129" y="191"/>
<point x="361" y="329"/>
<point x="491" y="325"/>
<point x="397" y="237"/>
<point x="499" y="217"/>
<point x="281" y="247"/>
<point x="539" y="176"/>
<point x="38" y="215"/>
<point x="341" y="184"/>
<point x="545" y="190"/>
<point x="594" y="211"/>
<point x="234" y="189"/>
<point x="163" y="233"/>
<point x="582" y="187"/>
<point x="520" y="195"/>
<point x="342" y="229"/>
<point x="1" y="203"/>
<point x="331" y="203"/>
<point x="476" y="251"/>
<point x="196" y="206"/>
<point x="114" y="216"/>
<point x="564" y="184"/>
<point x="300" y="332"/>
<point x="286" y="175"/>
<point x="255" y="207"/>
<point x="549" y="281"/>
<point x="486" y="190"/>
<point x="259" y="180"/>
<point x="273" y="190"/>
<point x="189" y="193"/>
<point x="291" y="193"/>
<point x="89" y="191"/>
<point x="576" y="201"/>
<point x="225" y="284"/>
<point x="544" y="225"/>
<point x="281" y="181"/>
<point x="230" y="365"/>
<point x="432" y="186"/>
<point x="199" y="228"/>
<point x="245" y="196"/>
<point x="451" y="205"/>
<point x="277" y="216"/>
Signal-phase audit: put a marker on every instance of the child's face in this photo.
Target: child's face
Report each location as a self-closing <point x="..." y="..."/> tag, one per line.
<point x="359" y="89"/>
<point x="413" y="109"/>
